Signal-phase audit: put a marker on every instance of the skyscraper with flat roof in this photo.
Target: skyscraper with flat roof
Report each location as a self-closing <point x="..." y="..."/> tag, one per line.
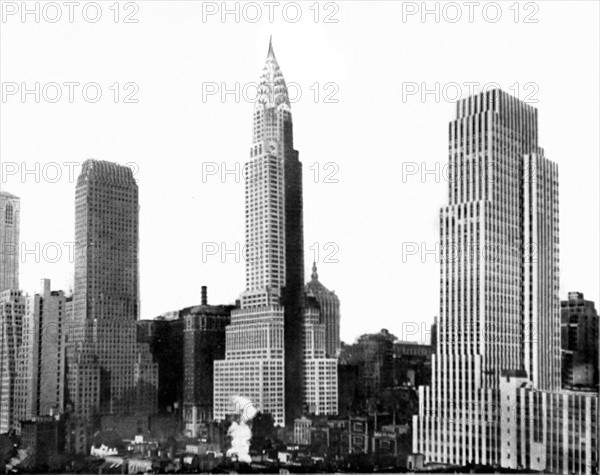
<point x="40" y="385"/>
<point x="109" y="372"/>
<point x="499" y="301"/>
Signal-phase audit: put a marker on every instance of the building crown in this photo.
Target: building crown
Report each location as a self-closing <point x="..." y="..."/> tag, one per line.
<point x="272" y="90"/>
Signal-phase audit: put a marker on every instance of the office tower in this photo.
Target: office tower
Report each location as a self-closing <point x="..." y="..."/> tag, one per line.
<point x="203" y="344"/>
<point x="329" y="308"/>
<point x="10" y="210"/>
<point x="109" y="372"/>
<point x="12" y="311"/>
<point x="41" y="357"/>
<point x="579" y="333"/>
<point x="264" y="343"/>
<point x="320" y="386"/>
<point x="499" y="303"/>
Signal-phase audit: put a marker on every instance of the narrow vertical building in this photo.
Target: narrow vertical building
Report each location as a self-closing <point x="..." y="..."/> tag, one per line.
<point x="10" y="210"/>
<point x="41" y="358"/>
<point x="203" y="344"/>
<point x="164" y="334"/>
<point x="264" y="342"/>
<point x="12" y="311"/>
<point x="108" y="371"/>
<point x="579" y="334"/>
<point x="320" y="388"/>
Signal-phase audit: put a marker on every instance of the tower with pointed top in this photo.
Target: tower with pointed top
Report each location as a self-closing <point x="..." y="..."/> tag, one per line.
<point x="265" y="344"/>
<point x="329" y="309"/>
<point x="263" y="359"/>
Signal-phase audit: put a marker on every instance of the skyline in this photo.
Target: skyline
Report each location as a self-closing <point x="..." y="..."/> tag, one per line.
<point x="367" y="267"/>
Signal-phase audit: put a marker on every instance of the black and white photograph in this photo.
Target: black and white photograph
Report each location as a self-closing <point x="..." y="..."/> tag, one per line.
<point x="313" y="236"/>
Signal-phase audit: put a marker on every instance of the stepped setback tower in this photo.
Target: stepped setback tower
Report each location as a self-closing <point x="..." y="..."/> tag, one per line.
<point x="495" y="396"/>
<point x="264" y="357"/>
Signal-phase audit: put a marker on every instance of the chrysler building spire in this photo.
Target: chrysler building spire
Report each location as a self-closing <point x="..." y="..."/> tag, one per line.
<point x="270" y="53"/>
<point x="272" y="91"/>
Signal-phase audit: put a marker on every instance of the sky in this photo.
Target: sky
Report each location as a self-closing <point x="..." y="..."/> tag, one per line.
<point x="373" y="86"/>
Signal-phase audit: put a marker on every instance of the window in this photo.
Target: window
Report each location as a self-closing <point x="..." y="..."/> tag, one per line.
<point x="8" y="216"/>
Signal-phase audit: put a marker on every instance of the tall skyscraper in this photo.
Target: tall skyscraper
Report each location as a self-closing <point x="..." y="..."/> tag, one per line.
<point x="499" y="302"/>
<point x="12" y="311"/>
<point x="40" y="385"/>
<point x="10" y="210"/>
<point x="264" y="342"/>
<point x="329" y="309"/>
<point x="109" y="372"/>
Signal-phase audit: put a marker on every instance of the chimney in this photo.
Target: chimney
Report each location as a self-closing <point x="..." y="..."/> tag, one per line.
<point x="204" y="300"/>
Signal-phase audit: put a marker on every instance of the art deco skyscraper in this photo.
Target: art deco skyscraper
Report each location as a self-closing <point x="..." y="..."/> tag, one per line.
<point x="264" y="358"/>
<point x="499" y="302"/>
<point x="256" y="341"/>
<point x="9" y="241"/>
<point x="106" y="365"/>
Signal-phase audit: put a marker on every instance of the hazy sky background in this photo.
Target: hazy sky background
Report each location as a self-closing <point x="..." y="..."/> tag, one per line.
<point x="371" y="134"/>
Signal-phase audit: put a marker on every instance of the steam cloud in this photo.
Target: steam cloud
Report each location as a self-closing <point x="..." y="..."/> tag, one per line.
<point x="241" y="433"/>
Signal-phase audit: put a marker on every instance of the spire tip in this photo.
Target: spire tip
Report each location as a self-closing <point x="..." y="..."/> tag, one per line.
<point x="270" y="53"/>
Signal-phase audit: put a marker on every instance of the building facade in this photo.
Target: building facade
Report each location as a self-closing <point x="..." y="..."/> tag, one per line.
<point x="164" y="335"/>
<point x="108" y="371"/>
<point x="373" y="354"/>
<point x="203" y="344"/>
<point x="40" y="388"/>
<point x="329" y="308"/>
<point x="12" y="312"/>
<point x="10" y="212"/>
<point x="320" y="373"/>
<point x="547" y="431"/>
<point x="579" y="335"/>
<point x="264" y="343"/>
<point x="499" y="302"/>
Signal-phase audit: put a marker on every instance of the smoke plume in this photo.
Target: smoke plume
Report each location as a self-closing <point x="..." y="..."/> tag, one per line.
<point x="241" y="433"/>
